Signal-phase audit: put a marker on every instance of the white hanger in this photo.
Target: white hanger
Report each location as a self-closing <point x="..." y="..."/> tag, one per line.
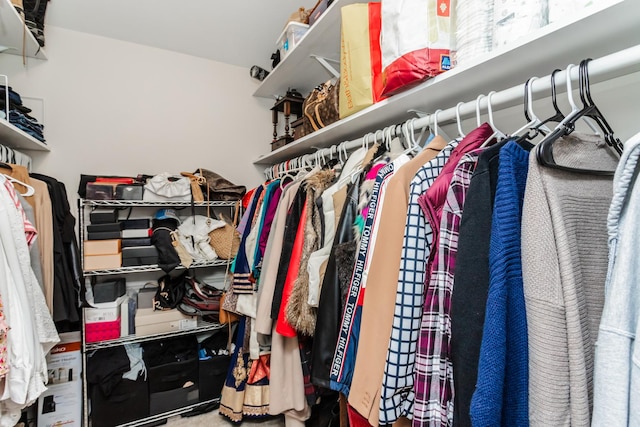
<point x="478" y="118"/>
<point x="458" y="122"/>
<point x="497" y="133"/>
<point x="30" y="190"/>
<point x="535" y="121"/>
<point x="435" y="122"/>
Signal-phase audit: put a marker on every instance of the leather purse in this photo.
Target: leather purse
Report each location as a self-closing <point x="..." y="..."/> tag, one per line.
<point x="200" y="299"/>
<point x="320" y="108"/>
<point x="217" y="188"/>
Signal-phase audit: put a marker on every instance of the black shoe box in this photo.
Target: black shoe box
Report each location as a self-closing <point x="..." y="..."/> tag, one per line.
<point x="106" y="235"/>
<point x="103" y="216"/>
<point x="104" y="228"/>
<point x="134" y="241"/>
<point x="136" y="224"/>
<point x="128" y="401"/>
<point x="135" y="261"/>
<point x="139" y="252"/>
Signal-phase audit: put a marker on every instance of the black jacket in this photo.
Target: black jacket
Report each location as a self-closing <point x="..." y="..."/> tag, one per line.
<point x="334" y="289"/>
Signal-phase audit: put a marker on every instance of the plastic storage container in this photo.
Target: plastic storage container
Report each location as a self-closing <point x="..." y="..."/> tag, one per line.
<point x="290" y="37"/>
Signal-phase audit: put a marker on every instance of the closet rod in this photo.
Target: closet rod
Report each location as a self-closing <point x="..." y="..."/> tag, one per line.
<point x="608" y="67"/>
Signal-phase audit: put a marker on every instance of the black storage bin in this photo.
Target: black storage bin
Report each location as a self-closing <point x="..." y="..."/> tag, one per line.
<point x="172" y="375"/>
<point x="173" y="399"/>
<point x="104" y="228"/>
<point x="213" y="373"/>
<point x="171" y="363"/>
<point x="129" y="401"/>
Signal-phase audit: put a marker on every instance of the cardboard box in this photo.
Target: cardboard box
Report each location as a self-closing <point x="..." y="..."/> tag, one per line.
<point x="104" y="312"/>
<point x="61" y="403"/>
<point x="149" y="321"/>
<point x="102" y="262"/>
<point x="102" y="247"/>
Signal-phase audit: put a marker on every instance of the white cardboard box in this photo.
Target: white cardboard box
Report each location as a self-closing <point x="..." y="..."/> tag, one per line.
<point x="150" y="322"/>
<point x="104" y="311"/>
<point x="61" y="403"/>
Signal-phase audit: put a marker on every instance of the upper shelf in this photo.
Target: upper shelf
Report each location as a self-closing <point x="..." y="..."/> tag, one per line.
<point x="13" y="137"/>
<point x="14" y="34"/>
<point x="299" y="70"/>
<point x="598" y="31"/>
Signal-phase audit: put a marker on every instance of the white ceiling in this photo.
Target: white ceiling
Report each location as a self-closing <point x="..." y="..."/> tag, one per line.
<point x="238" y="32"/>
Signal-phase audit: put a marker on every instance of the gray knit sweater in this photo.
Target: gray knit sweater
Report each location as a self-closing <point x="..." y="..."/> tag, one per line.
<point x="564" y="253"/>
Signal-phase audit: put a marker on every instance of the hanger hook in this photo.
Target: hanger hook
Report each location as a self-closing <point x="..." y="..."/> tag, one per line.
<point x="458" y="122"/>
<point x="574" y="107"/>
<point x="435" y="121"/>
<point x="533" y="117"/>
<point x="554" y="100"/>
<point x="490" y="111"/>
<point x="478" y="118"/>
<point x="525" y="102"/>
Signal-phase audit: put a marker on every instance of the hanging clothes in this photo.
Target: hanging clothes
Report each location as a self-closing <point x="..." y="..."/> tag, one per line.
<point x="397" y="394"/>
<point x="346" y="350"/>
<point x="564" y="243"/>
<point x="616" y="389"/>
<point x="271" y="261"/>
<point x="433" y="380"/>
<point x="379" y="298"/>
<point x="68" y="285"/>
<point x="31" y="332"/>
<point x="334" y="290"/>
<point x="471" y="281"/>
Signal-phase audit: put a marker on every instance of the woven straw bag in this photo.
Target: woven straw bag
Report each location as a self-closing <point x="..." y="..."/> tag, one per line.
<point x="226" y="240"/>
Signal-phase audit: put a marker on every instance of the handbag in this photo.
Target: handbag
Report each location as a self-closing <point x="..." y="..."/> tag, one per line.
<point x="320" y="108"/>
<point x="226" y="240"/>
<point x="226" y="317"/>
<point x="197" y="182"/>
<point x="217" y="188"/>
<point x="170" y="292"/>
<point x="164" y="187"/>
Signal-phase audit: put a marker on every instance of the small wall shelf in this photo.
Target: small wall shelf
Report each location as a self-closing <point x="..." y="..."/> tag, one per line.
<point x="14" y="34"/>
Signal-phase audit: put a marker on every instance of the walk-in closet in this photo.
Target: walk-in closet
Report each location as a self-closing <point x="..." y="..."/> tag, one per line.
<point x="320" y="213"/>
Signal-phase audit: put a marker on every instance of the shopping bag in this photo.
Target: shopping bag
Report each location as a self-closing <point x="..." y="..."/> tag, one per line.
<point x="360" y="58"/>
<point x="416" y="40"/>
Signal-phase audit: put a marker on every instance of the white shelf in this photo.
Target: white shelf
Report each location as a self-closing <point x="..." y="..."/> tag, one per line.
<point x="299" y="70"/>
<point x="13" y="137"/>
<point x="596" y="32"/>
<point x="13" y="33"/>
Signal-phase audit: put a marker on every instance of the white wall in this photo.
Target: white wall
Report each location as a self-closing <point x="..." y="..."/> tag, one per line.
<point x="113" y="107"/>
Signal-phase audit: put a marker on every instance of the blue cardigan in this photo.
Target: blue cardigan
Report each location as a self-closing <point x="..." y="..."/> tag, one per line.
<point x="501" y="395"/>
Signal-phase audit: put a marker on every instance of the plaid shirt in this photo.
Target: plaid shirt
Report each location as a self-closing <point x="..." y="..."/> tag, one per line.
<point x="396" y="397"/>
<point x="434" y="372"/>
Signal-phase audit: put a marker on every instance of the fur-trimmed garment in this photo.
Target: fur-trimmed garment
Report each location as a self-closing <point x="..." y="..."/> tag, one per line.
<point x="298" y="311"/>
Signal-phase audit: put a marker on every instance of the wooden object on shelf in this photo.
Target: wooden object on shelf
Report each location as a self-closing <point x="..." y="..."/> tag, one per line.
<point x="289" y="104"/>
<point x="296" y="128"/>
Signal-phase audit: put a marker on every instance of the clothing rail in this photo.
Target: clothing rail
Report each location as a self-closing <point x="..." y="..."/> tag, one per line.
<point x="608" y="67"/>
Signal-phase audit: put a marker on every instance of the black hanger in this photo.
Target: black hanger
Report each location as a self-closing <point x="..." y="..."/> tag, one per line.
<point x="544" y="151"/>
<point x="558" y="116"/>
<point x="596" y="114"/>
